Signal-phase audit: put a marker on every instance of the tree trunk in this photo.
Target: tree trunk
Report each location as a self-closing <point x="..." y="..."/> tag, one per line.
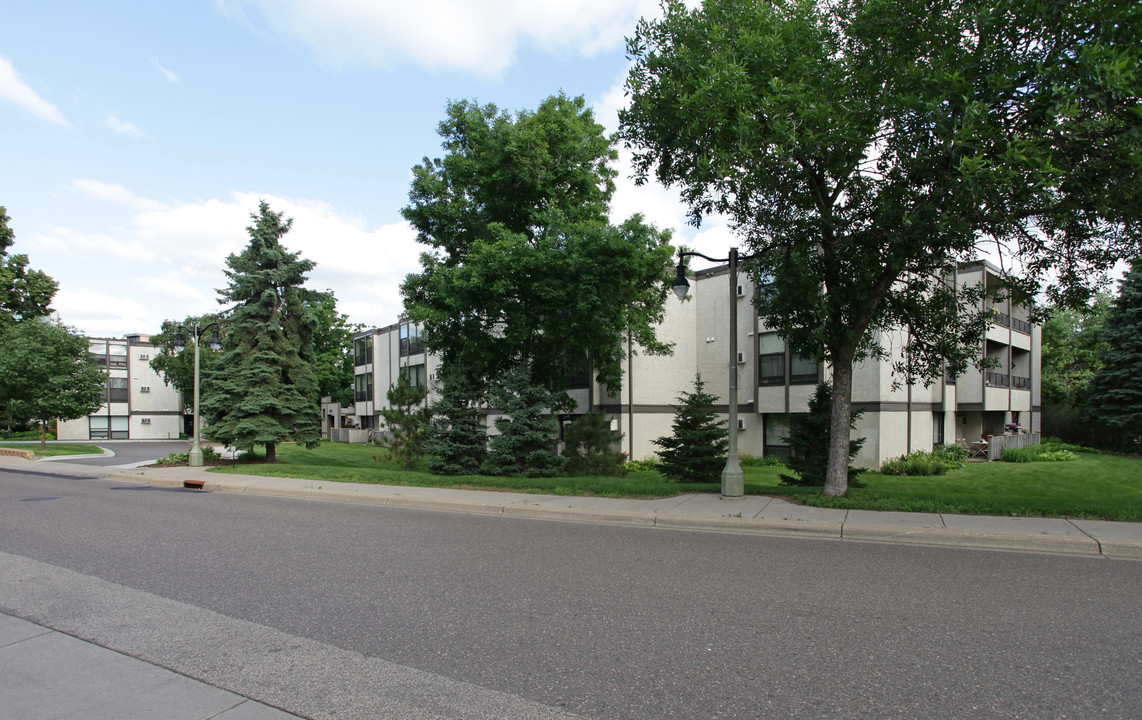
<point x="271" y="452"/>
<point x="43" y="435"/>
<point x="837" y="474"/>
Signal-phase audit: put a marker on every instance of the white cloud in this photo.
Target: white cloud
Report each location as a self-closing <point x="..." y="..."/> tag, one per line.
<point x="477" y="36"/>
<point x="14" y="90"/>
<point x="123" y="127"/>
<point x="170" y="76"/>
<point x="167" y="260"/>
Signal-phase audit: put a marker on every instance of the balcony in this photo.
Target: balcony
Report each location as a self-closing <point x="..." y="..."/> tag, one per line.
<point x="1020" y="383"/>
<point x="998" y="380"/>
<point x="1021" y="326"/>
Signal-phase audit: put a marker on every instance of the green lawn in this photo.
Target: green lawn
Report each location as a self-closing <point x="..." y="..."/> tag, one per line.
<point x="54" y="449"/>
<point x="1093" y="486"/>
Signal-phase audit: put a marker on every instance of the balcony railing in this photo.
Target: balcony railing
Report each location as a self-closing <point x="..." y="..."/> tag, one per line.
<point x="1001" y="319"/>
<point x="1021" y="326"/>
<point x="363" y="395"/>
<point x="998" y="380"/>
<point x="1020" y="383"/>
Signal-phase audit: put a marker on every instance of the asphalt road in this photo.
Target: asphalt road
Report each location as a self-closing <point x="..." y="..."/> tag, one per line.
<point x="130" y="452"/>
<point x="591" y="621"/>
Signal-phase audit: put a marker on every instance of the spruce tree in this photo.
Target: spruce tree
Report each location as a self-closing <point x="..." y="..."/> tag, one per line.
<point x="696" y="452"/>
<point x="809" y="442"/>
<point x="406" y="422"/>
<point x="457" y="441"/>
<point x="525" y="444"/>
<point x="590" y="446"/>
<point x="1116" y="396"/>
<point x="263" y="388"/>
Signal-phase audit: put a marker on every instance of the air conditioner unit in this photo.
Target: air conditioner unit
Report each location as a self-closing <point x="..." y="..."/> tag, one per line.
<point x="741" y="357"/>
<point x="741" y="291"/>
<point x="144" y="356"/>
<point x="145" y="421"/>
<point x="741" y="423"/>
<point x="144" y="388"/>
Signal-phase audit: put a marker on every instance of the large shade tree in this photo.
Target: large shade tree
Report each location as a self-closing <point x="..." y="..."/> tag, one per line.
<point x="46" y="374"/>
<point x="865" y="146"/>
<point x="24" y="293"/>
<point x="263" y="388"/>
<point x="524" y="267"/>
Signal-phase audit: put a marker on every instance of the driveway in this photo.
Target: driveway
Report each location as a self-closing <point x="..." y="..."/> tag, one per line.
<point x="128" y="453"/>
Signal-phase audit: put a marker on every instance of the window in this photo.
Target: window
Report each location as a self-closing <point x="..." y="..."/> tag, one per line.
<point x="776" y="435"/>
<point x="117" y="390"/>
<point x="416" y="375"/>
<point x="363" y="387"/>
<point x="117" y="356"/>
<point x="120" y="427"/>
<point x="411" y="340"/>
<point x="363" y="350"/>
<point x="771" y="359"/>
<point x="98" y="428"/>
<point x="937" y="429"/>
<point x="98" y="351"/>
<point x="802" y="369"/>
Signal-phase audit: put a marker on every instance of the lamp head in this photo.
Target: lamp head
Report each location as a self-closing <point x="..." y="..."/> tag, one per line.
<point x="681" y="285"/>
<point x="215" y="343"/>
<point x="179" y="341"/>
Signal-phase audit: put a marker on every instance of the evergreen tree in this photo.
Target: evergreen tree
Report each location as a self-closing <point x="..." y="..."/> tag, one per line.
<point x="1116" y="396"/>
<point x="406" y="422"/>
<point x="263" y="388"/>
<point x="696" y="452"/>
<point x="526" y="441"/>
<point x="590" y="446"/>
<point x="457" y="441"/>
<point x="809" y="439"/>
<point x="46" y="374"/>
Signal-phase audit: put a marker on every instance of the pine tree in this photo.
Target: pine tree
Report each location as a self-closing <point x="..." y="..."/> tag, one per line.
<point x="1116" y="396"/>
<point x="590" y="446"/>
<point x="263" y="388"/>
<point x="457" y="441"/>
<point x="809" y="441"/>
<point x="696" y="452"/>
<point x="406" y="422"/>
<point x="525" y="444"/>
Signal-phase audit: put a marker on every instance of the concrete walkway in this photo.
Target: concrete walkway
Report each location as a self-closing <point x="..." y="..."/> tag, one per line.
<point x="753" y="514"/>
<point x="49" y="675"/>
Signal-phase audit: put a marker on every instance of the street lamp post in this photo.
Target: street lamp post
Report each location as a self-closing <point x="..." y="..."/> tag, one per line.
<point x="194" y="458"/>
<point x="733" y="479"/>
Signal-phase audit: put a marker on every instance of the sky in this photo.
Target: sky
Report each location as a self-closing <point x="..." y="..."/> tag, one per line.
<point x="137" y="136"/>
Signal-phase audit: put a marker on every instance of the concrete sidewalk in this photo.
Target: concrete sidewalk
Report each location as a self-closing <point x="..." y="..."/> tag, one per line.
<point x="49" y="675"/>
<point x="754" y="514"/>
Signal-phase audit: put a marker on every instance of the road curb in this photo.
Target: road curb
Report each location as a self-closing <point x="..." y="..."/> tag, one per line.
<point x="1079" y="544"/>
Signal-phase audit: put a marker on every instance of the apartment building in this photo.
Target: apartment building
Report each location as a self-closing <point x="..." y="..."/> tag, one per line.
<point x="137" y="404"/>
<point x="774" y="383"/>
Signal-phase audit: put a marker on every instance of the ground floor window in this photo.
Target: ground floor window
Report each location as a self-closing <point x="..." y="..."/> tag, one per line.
<point x="114" y="427"/>
<point x="937" y="429"/>
<point x="776" y="435"/>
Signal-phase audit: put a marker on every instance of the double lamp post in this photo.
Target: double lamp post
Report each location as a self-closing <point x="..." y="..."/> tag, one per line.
<point x="194" y="458"/>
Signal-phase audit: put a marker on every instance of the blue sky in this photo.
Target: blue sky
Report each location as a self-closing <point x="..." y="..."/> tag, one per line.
<point x="136" y="136"/>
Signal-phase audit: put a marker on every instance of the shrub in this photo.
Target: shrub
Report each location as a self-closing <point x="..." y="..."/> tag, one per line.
<point x="1018" y="455"/>
<point x="918" y="463"/>
<point x="1057" y="456"/>
<point x="641" y="466"/>
<point x="953" y="455"/>
<point x="696" y="450"/>
<point x="208" y="453"/>
<point x="762" y="461"/>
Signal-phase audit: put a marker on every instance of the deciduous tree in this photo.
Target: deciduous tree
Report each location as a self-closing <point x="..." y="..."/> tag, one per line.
<point x="865" y="146"/>
<point x="24" y="293"/>
<point x="524" y="267"/>
<point x="262" y="389"/>
<point x="46" y="374"/>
